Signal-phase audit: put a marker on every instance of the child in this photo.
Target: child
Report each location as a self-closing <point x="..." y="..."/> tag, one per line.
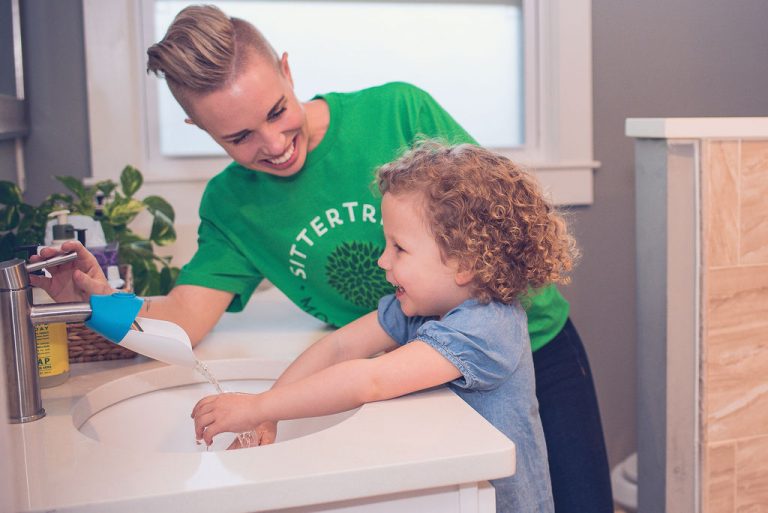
<point x="467" y="233"/>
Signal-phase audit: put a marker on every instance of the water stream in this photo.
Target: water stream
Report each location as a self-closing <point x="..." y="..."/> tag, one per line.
<point x="247" y="438"/>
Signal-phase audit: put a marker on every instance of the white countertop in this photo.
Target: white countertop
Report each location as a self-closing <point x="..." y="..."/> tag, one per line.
<point x="697" y="128"/>
<point x="424" y="440"/>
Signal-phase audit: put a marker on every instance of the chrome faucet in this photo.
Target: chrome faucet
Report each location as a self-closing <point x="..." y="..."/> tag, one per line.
<point x="17" y="333"/>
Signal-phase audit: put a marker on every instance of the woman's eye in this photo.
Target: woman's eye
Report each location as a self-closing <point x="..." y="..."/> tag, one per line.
<point x="276" y="114"/>
<point x="241" y="138"/>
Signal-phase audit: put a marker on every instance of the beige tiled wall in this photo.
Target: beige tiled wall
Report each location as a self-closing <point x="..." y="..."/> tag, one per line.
<point x="735" y="326"/>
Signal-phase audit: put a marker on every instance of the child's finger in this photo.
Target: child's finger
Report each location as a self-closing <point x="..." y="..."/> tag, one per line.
<point x="203" y="423"/>
<point x="266" y="436"/>
<point x="197" y="409"/>
<point x="210" y="431"/>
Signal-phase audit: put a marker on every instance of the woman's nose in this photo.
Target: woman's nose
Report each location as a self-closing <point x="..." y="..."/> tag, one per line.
<point x="274" y="143"/>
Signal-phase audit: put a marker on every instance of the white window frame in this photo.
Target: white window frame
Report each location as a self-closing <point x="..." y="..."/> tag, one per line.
<point x="558" y="102"/>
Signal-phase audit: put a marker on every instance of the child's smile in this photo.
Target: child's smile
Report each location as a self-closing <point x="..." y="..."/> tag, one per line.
<point x="424" y="284"/>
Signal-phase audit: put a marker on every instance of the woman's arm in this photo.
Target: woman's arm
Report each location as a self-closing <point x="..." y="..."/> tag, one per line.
<point x="340" y="387"/>
<point x="195" y="309"/>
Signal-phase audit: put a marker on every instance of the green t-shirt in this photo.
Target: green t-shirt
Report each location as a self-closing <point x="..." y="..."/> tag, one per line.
<point x="317" y="235"/>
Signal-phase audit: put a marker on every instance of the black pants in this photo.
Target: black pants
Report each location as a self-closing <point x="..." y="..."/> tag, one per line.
<point x="578" y="463"/>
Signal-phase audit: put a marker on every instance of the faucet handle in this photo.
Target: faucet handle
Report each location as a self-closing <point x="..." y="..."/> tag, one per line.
<point x="51" y="262"/>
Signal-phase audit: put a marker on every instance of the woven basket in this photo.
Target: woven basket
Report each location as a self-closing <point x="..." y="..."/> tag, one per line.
<point x="85" y="345"/>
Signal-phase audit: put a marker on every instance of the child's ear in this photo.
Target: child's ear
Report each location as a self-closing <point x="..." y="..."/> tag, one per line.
<point x="463" y="278"/>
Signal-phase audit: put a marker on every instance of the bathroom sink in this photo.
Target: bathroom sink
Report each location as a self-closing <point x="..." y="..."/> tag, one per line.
<point x="117" y="438"/>
<point x="150" y="411"/>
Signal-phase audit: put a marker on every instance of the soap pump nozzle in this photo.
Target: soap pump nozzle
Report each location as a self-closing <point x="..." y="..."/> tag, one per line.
<point x="62" y="231"/>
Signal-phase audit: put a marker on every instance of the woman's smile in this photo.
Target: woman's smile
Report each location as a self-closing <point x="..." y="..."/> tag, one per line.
<point x="285" y="160"/>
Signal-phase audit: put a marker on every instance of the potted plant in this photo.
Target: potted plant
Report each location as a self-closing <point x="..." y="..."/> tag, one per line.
<point x="115" y="205"/>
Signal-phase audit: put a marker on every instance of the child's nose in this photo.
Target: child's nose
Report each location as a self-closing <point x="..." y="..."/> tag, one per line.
<point x="383" y="261"/>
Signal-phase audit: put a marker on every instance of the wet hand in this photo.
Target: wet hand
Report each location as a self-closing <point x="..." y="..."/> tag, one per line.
<point x="264" y="434"/>
<point x="230" y="412"/>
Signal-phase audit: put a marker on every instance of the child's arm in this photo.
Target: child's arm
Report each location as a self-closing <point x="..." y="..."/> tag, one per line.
<point x="339" y="387"/>
<point x="358" y="339"/>
<point x="361" y="338"/>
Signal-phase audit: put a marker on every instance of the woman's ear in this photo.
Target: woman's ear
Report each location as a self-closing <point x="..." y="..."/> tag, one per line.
<point x="285" y="68"/>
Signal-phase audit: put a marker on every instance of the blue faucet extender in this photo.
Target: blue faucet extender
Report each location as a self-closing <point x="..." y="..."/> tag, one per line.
<point x="112" y="315"/>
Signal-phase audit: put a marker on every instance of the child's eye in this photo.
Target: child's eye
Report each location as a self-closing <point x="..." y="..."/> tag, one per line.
<point x="397" y="248"/>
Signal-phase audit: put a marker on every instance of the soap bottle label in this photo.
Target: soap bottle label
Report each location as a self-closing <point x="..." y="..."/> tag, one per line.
<point x="52" y="349"/>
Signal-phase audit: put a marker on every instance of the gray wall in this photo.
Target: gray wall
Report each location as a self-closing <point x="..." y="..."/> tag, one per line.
<point x="651" y="59"/>
<point x="654" y="58"/>
<point x="54" y="71"/>
<point x="7" y="86"/>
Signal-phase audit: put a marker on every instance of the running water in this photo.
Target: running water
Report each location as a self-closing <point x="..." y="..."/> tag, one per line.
<point x="245" y="439"/>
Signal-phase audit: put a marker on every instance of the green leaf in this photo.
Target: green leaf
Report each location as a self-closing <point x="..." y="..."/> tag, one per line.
<point x="109" y="230"/>
<point x="162" y="230"/>
<point x="130" y="180"/>
<point x="9" y="218"/>
<point x="56" y="201"/>
<point x="166" y="280"/>
<point x="142" y="248"/>
<point x="141" y="274"/>
<point x="10" y="194"/>
<point x="123" y="211"/>
<point x="157" y="204"/>
<point x="7" y="244"/>
<point x="127" y="237"/>
<point x="152" y="286"/>
<point x="74" y="185"/>
<point x="106" y="187"/>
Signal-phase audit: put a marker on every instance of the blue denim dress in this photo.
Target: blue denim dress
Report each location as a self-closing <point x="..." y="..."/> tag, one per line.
<point x="489" y="345"/>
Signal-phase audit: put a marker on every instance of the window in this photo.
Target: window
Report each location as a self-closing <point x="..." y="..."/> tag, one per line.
<point x="515" y="73"/>
<point x="451" y="50"/>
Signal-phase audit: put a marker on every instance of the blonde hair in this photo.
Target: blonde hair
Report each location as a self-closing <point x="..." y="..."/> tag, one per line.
<point x="487" y="214"/>
<point x="204" y="50"/>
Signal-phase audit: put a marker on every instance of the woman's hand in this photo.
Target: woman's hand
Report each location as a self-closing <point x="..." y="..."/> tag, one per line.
<point x="73" y="281"/>
<point x="264" y="434"/>
<point x="230" y="412"/>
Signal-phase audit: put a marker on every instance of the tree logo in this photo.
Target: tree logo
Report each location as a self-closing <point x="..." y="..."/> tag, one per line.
<point x="352" y="270"/>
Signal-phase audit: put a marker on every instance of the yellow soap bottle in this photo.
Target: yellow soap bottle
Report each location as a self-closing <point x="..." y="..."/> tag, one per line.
<point x="52" y="347"/>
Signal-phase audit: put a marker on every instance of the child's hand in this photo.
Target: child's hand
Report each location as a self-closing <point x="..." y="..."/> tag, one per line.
<point x="224" y="412"/>
<point x="264" y="434"/>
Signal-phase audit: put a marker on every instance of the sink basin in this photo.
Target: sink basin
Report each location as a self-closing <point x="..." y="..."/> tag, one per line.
<point x="150" y="411"/>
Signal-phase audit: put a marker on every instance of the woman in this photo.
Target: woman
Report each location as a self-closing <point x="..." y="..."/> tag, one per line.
<point x="297" y="207"/>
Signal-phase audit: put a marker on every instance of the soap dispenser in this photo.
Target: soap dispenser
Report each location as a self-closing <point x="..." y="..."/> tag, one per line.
<point x="52" y="343"/>
<point x="62" y="230"/>
<point x="52" y="346"/>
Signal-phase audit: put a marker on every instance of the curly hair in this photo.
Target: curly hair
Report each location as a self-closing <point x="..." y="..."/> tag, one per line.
<point x="488" y="215"/>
